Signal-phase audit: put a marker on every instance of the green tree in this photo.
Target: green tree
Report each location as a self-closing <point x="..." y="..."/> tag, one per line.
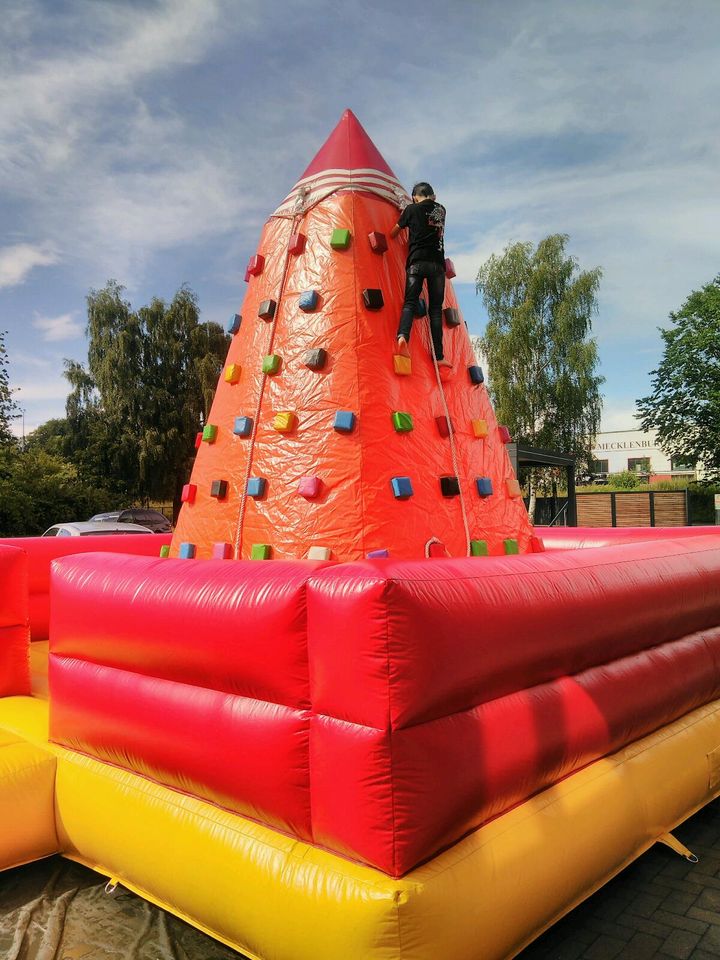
<point x="541" y="358"/>
<point x="684" y="407"/>
<point x="38" y="489"/>
<point x="8" y="407"/>
<point x="148" y="387"/>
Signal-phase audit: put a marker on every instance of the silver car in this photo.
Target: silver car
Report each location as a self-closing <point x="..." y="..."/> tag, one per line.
<point x="86" y="528"/>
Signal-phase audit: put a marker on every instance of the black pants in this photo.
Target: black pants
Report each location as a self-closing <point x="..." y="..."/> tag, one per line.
<point x="434" y="273"/>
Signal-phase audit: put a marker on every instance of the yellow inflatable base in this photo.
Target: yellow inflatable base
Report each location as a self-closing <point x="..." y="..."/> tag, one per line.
<point x="274" y="898"/>
<point x="27" y="820"/>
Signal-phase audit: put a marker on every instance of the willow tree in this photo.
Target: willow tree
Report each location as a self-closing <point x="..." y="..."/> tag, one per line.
<point x="541" y="358"/>
<point x="154" y="371"/>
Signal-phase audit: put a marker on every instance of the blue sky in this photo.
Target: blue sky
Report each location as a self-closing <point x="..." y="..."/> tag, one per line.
<point x="148" y="141"/>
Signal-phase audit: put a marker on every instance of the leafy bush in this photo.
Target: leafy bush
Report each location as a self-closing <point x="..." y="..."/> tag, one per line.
<point x="625" y="480"/>
<point x="38" y="489"/>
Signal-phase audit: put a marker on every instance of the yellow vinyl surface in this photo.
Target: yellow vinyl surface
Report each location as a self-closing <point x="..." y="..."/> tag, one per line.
<point x="27" y="783"/>
<point x="275" y="898"/>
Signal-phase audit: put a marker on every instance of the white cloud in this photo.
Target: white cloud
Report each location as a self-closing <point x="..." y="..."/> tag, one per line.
<point x="64" y="327"/>
<point x="17" y="261"/>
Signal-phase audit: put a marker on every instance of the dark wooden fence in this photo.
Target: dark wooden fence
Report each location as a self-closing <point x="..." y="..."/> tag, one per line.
<point x="660" y="508"/>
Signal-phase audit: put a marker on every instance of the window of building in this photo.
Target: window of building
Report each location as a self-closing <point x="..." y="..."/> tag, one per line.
<point x="599" y="466"/>
<point x="639" y="464"/>
<point x="677" y="463"/>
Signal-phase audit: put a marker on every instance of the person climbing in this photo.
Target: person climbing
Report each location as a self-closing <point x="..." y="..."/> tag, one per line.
<point x="424" y="219"/>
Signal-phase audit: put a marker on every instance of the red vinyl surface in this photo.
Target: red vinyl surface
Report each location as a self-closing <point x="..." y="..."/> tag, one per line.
<point x="571" y="538"/>
<point x="380" y="709"/>
<point x="41" y="551"/>
<point x="14" y="660"/>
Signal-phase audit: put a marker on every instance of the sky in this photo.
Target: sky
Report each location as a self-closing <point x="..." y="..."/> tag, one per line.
<point x="149" y="140"/>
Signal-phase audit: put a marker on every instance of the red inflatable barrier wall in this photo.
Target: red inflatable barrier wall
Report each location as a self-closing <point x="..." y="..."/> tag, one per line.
<point x="14" y="660"/>
<point x="570" y="538"/>
<point x="41" y="551"/>
<point x="381" y="709"/>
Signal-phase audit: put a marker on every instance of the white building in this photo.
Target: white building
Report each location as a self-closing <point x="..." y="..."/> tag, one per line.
<point x="636" y="450"/>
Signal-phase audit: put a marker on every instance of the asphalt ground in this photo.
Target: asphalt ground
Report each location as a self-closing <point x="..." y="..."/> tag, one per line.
<point x="660" y="906"/>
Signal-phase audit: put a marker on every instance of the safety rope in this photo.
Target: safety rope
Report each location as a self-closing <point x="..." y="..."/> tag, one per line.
<point x="258" y="407"/>
<point x="451" y="435"/>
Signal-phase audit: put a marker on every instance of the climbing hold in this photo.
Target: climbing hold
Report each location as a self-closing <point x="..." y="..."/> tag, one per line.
<point x="377" y="554"/>
<point x="449" y="486"/>
<point x="421" y="310"/>
<point x="513" y="487"/>
<point x="187" y="551"/>
<point x="209" y="433"/>
<point x="537" y="545"/>
<point x="437" y="549"/>
<point x="315" y="359"/>
<point x="246" y="278"/>
<point x="198" y="440"/>
<point x="243" y="426"/>
<point x="378" y="242"/>
<point x="271" y="363"/>
<point x="480" y="428"/>
<point x="310" y="487"/>
<point x="373" y="299"/>
<point x="451" y="317"/>
<point x="318" y="553"/>
<point x="449" y="269"/>
<point x="232" y="373"/>
<point x="256" y="487"/>
<point x="402" y="365"/>
<point x="511" y="546"/>
<point x="484" y="486"/>
<point x="402" y="422"/>
<point x="344" y="421"/>
<point x="233" y="324"/>
<point x="297" y="243"/>
<point x="219" y="489"/>
<point x="478" y="548"/>
<point x="504" y="435"/>
<point x="442" y="425"/>
<point x="188" y="493"/>
<point x="308" y="301"/>
<point x="401" y="487"/>
<point x="165" y="550"/>
<point x="261" y="551"/>
<point x="266" y="310"/>
<point x="222" y="551"/>
<point x="340" y="239"/>
<point x="284" y="421"/>
<point x="256" y="265"/>
<point x="476" y="374"/>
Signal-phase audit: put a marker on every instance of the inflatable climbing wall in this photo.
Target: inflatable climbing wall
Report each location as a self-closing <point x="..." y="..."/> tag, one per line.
<point x="323" y="443"/>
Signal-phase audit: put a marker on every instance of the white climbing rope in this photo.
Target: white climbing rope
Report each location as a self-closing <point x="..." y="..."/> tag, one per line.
<point x="451" y="437"/>
<point x="258" y="406"/>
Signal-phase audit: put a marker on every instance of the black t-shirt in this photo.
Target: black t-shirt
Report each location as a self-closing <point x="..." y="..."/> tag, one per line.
<point x="426" y="225"/>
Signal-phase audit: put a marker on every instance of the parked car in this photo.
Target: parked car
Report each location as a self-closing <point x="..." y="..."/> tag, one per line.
<point x="153" y="519"/>
<point x="87" y="528"/>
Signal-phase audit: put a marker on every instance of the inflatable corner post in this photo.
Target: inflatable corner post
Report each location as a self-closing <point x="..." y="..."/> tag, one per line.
<point x="321" y="441"/>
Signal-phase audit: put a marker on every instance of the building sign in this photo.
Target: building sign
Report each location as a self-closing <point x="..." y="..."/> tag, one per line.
<point x="625" y="445"/>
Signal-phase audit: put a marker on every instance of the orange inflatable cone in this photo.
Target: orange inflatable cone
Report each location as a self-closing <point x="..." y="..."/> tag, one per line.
<point x="323" y="440"/>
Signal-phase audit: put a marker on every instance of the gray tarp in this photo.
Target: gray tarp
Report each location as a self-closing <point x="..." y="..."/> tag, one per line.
<point x="57" y="910"/>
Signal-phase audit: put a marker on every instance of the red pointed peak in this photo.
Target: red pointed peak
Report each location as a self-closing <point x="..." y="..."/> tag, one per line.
<point x="348" y="148"/>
